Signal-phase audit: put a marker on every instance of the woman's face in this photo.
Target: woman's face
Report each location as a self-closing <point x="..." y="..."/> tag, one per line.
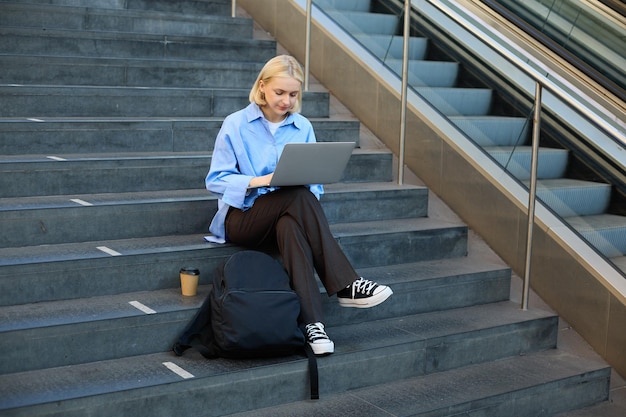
<point x="281" y="94"/>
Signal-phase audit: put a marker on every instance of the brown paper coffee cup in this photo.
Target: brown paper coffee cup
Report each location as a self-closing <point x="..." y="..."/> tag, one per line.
<point x="189" y="281"/>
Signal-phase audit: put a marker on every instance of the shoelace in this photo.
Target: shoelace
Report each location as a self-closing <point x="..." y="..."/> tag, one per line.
<point x="364" y="286"/>
<point x="315" y="331"/>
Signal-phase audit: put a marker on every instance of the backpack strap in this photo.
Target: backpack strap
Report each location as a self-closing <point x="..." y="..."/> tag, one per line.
<point x="194" y="330"/>
<point x="313" y="373"/>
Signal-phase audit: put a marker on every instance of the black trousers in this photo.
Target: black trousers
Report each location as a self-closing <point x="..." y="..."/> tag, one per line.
<point x="291" y="220"/>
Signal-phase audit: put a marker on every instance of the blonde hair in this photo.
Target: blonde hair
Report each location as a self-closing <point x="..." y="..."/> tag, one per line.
<point x="279" y="66"/>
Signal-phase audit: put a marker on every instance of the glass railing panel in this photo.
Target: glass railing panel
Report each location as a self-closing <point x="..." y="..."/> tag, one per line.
<point x="498" y="121"/>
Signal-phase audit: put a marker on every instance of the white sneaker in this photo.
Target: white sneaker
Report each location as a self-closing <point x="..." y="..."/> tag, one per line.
<point x="318" y="339"/>
<point x="363" y="293"/>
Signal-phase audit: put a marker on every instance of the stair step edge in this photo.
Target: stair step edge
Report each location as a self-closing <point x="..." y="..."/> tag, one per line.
<point x="406" y="277"/>
<point x="397" y="333"/>
<point x="178" y="243"/>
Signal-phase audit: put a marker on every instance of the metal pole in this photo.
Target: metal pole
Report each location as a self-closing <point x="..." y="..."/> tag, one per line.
<point x="532" y="194"/>
<point x="307" y="46"/>
<point x="405" y="72"/>
<point x="233" y="10"/>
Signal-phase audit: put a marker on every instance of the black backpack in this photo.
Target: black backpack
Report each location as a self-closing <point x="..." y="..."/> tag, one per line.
<point x="251" y="312"/>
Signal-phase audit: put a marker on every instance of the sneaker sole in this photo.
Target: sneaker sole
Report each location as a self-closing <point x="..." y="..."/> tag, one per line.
<point x="320" y="349"/>
<point x="367" y="302"/>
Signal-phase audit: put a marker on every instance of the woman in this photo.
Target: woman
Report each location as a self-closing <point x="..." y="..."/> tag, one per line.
<point x="289" y="219"/>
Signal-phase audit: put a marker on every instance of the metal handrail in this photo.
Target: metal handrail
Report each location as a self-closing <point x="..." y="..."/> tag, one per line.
<point x="307" y="47"/>
<point x="532" y="194"/>
<point x="405" y="78"/>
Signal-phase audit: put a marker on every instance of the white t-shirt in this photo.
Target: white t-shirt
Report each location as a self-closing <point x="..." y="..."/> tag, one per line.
<point x="274" y="126"/>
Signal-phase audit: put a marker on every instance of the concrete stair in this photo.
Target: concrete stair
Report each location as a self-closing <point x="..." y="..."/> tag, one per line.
<point x="493" y="391"/>
<point x="95" y="18"/>
<point x="103" y="202"/>
<point x="68" y="136"/>
<point x="24" y="41"/>
<point x="94" y="101"/>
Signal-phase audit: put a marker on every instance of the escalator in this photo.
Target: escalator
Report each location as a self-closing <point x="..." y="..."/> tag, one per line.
<point x="589" y="34"/>
<point x="581" y="163"/>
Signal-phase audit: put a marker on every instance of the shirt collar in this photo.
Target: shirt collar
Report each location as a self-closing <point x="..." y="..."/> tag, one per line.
<point x="253" y="112"/>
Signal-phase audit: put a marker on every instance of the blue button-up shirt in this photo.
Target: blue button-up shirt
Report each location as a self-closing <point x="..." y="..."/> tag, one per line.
<point x="245" y="148"/>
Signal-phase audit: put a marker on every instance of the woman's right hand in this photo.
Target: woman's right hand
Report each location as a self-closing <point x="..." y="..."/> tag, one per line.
<point x="263" y="181"/>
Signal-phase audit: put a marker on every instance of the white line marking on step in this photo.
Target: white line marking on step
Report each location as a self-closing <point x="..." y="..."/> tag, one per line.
<point x="56" y="158"/>
<point x="32" y="119"/>
<point x="142" y="307"/>
<point x="108" y="250"/>
<point x="81" y="202"/>
<point x="178" y="370"/>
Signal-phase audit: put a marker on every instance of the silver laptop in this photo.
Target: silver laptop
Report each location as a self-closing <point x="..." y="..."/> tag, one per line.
<point x="312" y="163"/>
